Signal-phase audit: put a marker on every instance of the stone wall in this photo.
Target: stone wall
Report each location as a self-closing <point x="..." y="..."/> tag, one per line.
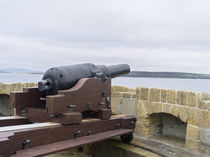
<point x="5" y="90"/>
<point x="192" y="108"/>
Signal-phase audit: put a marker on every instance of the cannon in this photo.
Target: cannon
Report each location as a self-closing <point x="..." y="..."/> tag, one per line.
<point x="70" y="107"/>
<point x="65" y="77"/>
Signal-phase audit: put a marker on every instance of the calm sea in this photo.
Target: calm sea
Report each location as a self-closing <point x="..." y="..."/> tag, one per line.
<point x="199" y="85"/>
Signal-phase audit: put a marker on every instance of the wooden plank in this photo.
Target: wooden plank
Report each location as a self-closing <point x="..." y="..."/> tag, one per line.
<point x="27" y="126"/>
<point x="87" y="94"/>
<point x="12" y="120"/>
<point x="63" y="145"/>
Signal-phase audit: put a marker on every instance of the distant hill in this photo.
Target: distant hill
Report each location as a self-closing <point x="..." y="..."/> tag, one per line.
<point x="18" y="70"/>
<point x="147" y="74"/>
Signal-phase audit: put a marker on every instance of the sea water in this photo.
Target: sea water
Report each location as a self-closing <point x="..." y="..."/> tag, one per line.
<point x="197" y="85"/>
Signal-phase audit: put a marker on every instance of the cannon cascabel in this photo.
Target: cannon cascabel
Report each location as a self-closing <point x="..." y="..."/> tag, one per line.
<point x="65" y="77"/>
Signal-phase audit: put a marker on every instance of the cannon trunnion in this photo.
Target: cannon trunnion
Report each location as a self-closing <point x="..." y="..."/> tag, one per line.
<point x="46" y="123"/>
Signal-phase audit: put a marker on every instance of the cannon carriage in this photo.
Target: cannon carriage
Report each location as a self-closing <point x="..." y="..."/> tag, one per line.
<point x="70" y="107"/>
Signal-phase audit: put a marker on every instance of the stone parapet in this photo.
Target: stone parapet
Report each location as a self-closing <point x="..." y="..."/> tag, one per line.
<point x="192" y="108"/>
<point x="7" y="88"/>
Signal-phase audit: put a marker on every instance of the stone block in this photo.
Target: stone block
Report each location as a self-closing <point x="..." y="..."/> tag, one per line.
<point x="141" y="109"/>
<point x="120" y="89"/>
<point x="163" y="95"/>
<point x="205" y="136"/>
<point x="142" y="131"/>
<point x="194" y="116"/>
<point x="184" y="113"/>
<point x="131" y="90"/>
<point x="171" y="96"/>
<point x="208" y="105"/>
<point x="154" y="94"/>
<point x="138" y="90"/>
<point x="205" y="149"/>
<point x="205" y="96"/>
<point x="208" y="119"/>
<point x="167" y="108"/>
<point x="192" y="144"/>
<point x="157" y="107"/>
<point x="198" y="99"/>
<point x="191" y="99"/>
<point x="148" y="107"/>
<point x="198" y="117"/>
<point x="203" y="105"/>
<point x="203" y="119"/>
<point x="126" y="95"/>
<point x="193" y="132"/>
<point x="117" y="95"/>
<point x="175" y="109"/>
<point x="134" y="96"/>
<point x="144" y="93"/>
<point x="181" y="98"/>
<point x="113" y="104"/>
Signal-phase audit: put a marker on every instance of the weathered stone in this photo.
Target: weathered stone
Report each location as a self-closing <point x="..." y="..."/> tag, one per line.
<point x="141" y="109"/>
<point x="138" y="90"/>
<point x="154" y="94"/>
<point x="193" y="132"/>
<point x="194" y="116"/>
<point x="126" y="95"/>
<point x="163" y="95"/>
<point x="148" y="107"/>
<point x="113" y="104"/>
<point x="208" y="119"/>
<point x="205" y="149"/>
<point x="144" y="93"/>
<point x="198" y="117"/>
<point x="131" y="90"/>
<point x="142" y="131"/>
<point x="198" y="99"/>
<point x="208" y="105"/>
<point x="191" y="99"/>
<point x="121" y="89"/>
<point x="175" y="110"/>
<point x="181" y="98"/>
<point x="203" y="105"/>
<point x="205" y="96"/>
<point x="134" y="96"/>
<point x="192" y="144"/>
<point x="167" y="108"/>
<point x="112" y="89"/>
<point x="157" y="107"/>
<point x="127" y="107"/>
<point x="171" y="96"/>
<point x="117" y="95"/>
<point x="203" y="120"/>
<point x="7" y="88"/>
<point x="205" y="136"/>
<point x="184" y="113"/>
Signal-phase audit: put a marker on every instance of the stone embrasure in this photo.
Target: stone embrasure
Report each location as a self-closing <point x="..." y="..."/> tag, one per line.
<point x="192" y="108"/>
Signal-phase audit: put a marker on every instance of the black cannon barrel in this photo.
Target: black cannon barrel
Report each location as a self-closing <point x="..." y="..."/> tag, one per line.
<point x="65" y="77"/>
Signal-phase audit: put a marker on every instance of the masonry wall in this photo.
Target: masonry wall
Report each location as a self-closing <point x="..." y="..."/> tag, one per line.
<point x="192" y="108"/>
<point x="5" y="90"/>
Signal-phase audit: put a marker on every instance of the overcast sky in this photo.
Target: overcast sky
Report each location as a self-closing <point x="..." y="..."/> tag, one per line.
<point x="152" y="35"/>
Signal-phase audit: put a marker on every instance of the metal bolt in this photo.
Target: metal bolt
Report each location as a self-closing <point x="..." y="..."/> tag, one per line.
<point x="71" y="106"/>
<point x="26" y="144"/>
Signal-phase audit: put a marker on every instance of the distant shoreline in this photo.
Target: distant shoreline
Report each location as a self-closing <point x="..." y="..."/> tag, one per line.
<point x="143" y="74"/>
<point x="177" y="75"/>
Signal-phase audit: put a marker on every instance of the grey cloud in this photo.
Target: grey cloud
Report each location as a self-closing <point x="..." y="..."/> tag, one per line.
<point x="154" y="35"/>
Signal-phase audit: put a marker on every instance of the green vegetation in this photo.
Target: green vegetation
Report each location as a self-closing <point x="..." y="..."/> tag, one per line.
<point x="147" y="74"/>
